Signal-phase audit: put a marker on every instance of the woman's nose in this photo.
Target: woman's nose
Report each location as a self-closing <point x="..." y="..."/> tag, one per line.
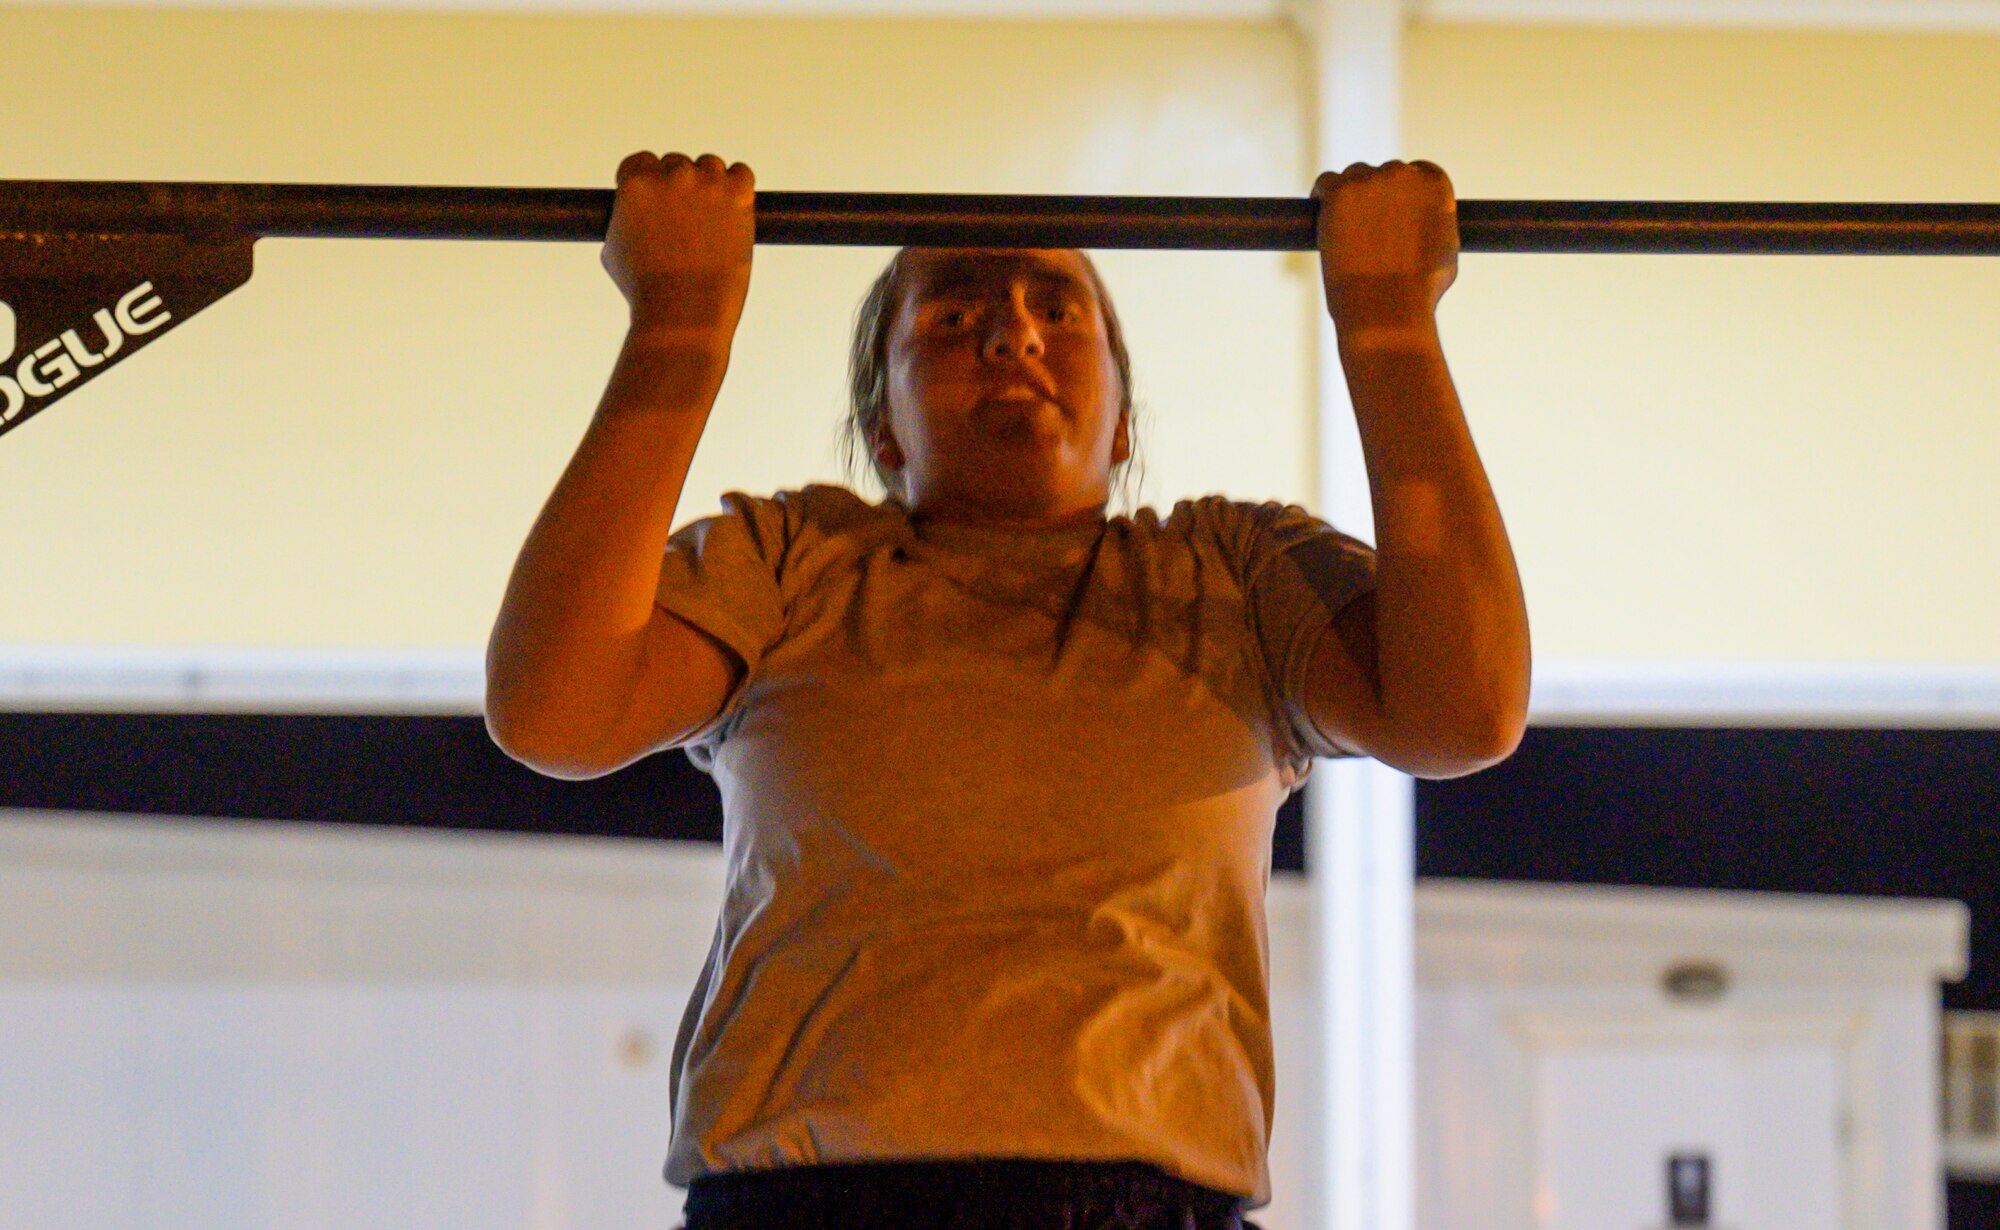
<point x="1013" y="334"/>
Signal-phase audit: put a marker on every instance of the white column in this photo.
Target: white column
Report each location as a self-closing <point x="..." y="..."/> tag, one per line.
<point x="1360" y="821"/>
<point x="1359" y="832"/>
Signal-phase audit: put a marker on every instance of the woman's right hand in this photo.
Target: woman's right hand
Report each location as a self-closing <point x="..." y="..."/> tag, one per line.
<point x="679" y="243"/>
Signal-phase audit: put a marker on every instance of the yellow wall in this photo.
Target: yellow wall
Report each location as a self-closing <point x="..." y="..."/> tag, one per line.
<point x="1700" y="458"/>
<point x="349" y="450"/>
<point x="1753" y="458"/>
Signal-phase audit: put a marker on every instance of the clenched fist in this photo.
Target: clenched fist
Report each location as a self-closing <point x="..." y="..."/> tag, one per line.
<point x="1388" y="245"/>
<point x="679" y="243"/>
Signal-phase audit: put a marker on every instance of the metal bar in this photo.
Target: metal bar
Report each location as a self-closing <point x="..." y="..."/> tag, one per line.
<point x="359" y="211"/>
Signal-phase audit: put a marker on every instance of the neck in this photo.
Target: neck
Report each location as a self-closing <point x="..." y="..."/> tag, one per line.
<point x="1054" y="517"/>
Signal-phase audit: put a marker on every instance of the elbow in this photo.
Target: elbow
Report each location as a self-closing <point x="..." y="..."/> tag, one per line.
<point x="1459" y="742"/>
<point x="545" y="746"/>
<point x="536" y="719"/>
<point x="1475" y="742"/>
<point x="1473" y="724"/>
<point x="523" y="745"/>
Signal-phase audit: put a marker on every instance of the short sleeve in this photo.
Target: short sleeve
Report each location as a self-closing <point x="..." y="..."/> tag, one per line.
<point x="723" y="574"/>
<point x="1299" y="573"/>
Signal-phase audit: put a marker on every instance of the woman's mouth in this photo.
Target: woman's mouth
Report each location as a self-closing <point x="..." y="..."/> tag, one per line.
<point x="1025" y="413"/>
<point x="1018" y="392"/>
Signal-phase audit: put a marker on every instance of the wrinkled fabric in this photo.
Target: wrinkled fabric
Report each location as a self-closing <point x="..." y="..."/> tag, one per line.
<point x="997" y="827"/>
<point x="980" y="1195"/>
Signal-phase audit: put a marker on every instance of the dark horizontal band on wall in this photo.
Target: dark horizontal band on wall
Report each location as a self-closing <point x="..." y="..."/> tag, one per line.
<point x="406" y="770"/>
<point x="403" y="770"/>
<point x="1912" y="813"/>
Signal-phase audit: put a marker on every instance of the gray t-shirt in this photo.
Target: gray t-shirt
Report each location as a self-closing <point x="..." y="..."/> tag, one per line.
<point x="997" y="821"/>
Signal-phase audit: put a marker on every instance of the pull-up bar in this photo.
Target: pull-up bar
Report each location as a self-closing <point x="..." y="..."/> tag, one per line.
<point x="357" y="211"/>
<point x="92" y="271"/>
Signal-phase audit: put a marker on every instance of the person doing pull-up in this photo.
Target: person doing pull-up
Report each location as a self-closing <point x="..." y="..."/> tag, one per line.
<point x="999" y="770"/>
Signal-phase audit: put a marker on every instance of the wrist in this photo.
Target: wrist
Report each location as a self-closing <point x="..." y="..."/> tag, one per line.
<point x="657" y="333"/>
<point x="690" y="306"/>
<point x="1370" y="309"/>
<point x="1380" y="336"/>
<point x="685" y="346"/>
<point x="668" y="370"/>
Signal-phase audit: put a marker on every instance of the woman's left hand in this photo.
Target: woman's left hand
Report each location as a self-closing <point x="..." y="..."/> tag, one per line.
<point x="1388" y="245"/>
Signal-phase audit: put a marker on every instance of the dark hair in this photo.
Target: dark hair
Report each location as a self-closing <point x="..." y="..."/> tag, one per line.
<point x="868" y="372"/>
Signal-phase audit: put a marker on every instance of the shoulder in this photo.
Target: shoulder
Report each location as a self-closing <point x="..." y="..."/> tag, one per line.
<point x="1244" y="530"/>
<point x="797" y="532"/>
<point x="817" y="510"/>
<point x="831" y="510"/>
<point x="1271" y="543"/>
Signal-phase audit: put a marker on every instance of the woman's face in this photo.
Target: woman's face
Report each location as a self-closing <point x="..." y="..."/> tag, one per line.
<point x="1004" y="399"/>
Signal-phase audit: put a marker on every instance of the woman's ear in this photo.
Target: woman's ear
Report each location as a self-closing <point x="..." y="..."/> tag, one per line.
<point x="1121" y="440"/>
<point x="887" y="454"/>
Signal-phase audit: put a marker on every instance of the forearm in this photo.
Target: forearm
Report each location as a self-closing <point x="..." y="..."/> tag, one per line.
<point x="569" y="641"/>
<point x="1451" y="628"/>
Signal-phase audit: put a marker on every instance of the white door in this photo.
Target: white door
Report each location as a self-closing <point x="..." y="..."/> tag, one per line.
<point x="1761" y="1121"/>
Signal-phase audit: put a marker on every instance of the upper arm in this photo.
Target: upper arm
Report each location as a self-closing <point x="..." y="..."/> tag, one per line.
<point x="611" y="693"/>
<point x="1343" y="690"/>
<point x="677" y="683"/>
<point x="685" y="678"/>
<point x="1344" y="699"/>
<point x="718" y="604"/>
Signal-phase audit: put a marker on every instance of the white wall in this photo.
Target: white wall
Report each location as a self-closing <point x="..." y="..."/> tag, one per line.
<point x="295" y="1027"/>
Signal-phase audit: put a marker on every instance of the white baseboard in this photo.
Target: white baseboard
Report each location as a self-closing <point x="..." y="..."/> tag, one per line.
<point x="225" y="679"/>
<point x="1765" y="694"/>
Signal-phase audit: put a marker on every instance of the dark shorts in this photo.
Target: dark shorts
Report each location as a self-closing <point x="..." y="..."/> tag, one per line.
<point x="995" y="1194"/>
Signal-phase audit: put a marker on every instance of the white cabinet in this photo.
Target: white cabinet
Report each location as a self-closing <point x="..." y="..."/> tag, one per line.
<point x="285" y="1027"/>
<point x="1747" y="1127"/>
<point x="310" y="1027"/>
<point x="1578" y="1049"/>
